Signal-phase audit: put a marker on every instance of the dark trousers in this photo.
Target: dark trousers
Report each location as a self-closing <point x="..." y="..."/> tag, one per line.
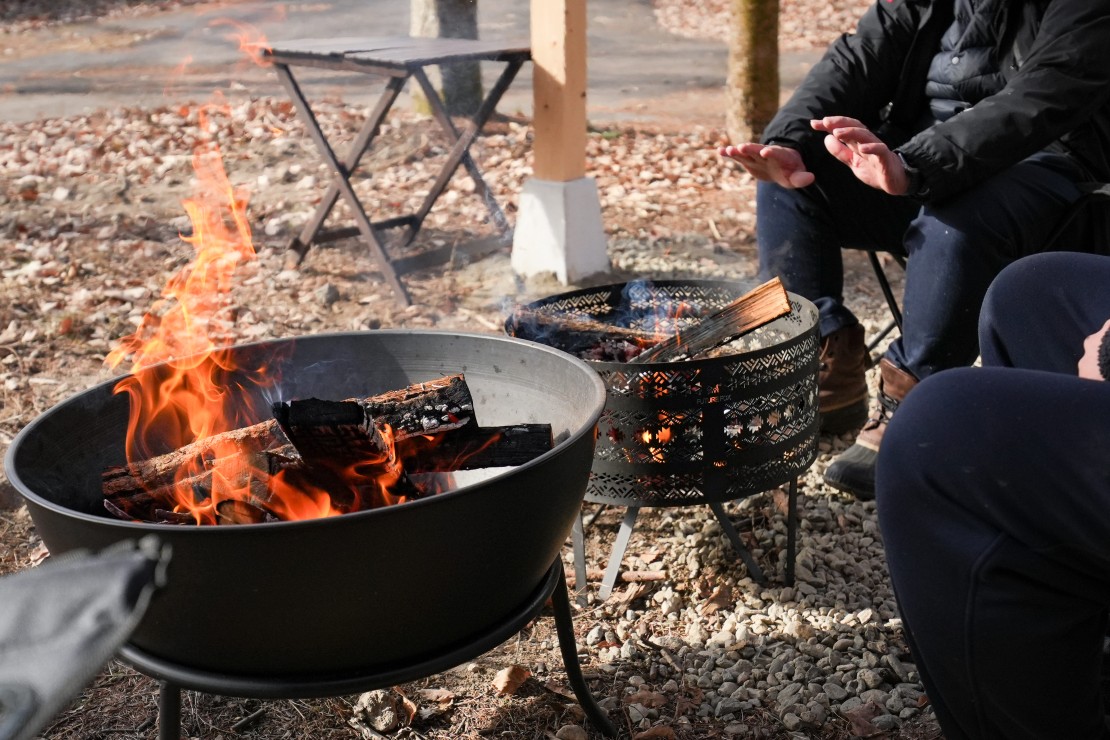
<point x="955" y="248"/>
<point x="993" y="491"/>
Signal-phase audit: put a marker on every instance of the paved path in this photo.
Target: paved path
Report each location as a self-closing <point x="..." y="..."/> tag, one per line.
<point x="636" y="70"/>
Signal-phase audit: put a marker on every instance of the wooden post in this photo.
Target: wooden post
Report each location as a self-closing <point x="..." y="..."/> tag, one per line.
<point x="559" y="226"/>
<point x="559" y="88"/>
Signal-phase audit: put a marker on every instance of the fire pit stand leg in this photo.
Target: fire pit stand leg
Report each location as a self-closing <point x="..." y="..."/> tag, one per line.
<point x="578" y="541"/>
<point x="737" y="544"/>
<point x="791" y="532"/>
<point x="169" y="711"/>
<point x="615" y="558"/>
<point x="564" y="628"/>
<point x="612" y="570"/>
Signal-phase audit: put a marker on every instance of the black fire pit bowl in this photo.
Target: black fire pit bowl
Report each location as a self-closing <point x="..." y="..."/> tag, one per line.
<point x="362" y="592"/>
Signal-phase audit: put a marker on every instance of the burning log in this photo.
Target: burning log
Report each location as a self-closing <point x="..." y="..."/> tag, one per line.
<point x="343" y="438"/>
<point x="424" y="408"/>
<point x="481" y="447"/>
<point x="577" y="335"/>
<point x="351" y="449"/>
<point x="249" y="474"/>
<point x="750" y="311"/>
<point x="200" y="455"/>
<point x="236" y="511"/>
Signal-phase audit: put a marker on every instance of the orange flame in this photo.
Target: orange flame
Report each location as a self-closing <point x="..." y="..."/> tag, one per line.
<point x="185" y="386"/>
<point x="251" y="40"/>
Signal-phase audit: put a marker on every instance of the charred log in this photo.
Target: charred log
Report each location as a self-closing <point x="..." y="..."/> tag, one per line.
<point x="578" y="335"/>
<point x="424" y="408"/>
<point x="481" y="447"/>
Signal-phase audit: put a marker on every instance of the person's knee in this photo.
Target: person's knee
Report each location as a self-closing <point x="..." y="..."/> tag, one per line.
<point x="933" y="422"/>
<point x="1024" y="280"/>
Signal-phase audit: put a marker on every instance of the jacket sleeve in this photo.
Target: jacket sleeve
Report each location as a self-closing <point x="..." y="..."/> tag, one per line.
<point x="857" y="76"/>
<point x="1062" y="84"/>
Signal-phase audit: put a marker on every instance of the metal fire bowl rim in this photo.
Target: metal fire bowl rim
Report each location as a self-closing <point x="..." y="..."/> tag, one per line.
<point x="140" y="528"/>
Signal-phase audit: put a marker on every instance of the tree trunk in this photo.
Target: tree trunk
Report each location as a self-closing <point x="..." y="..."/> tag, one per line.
<point x="460" y="84"/>
<point x="753" y="68"/>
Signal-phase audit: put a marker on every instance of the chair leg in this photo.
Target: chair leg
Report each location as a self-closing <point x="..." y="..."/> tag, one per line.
<point x="884" y="283"/>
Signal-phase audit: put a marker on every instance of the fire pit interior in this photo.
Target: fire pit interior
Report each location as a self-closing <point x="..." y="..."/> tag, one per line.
<point x="372" y="592"/>
<point x="739" y="421"/>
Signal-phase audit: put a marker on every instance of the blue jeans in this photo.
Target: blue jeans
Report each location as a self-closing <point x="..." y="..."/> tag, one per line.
<point x="993" y="493"/>
<point x="955" y="248"/>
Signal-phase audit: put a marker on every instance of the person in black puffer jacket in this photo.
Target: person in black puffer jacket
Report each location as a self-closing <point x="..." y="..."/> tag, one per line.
<point x="993" y="487"/>
<point x="953" y="132"/>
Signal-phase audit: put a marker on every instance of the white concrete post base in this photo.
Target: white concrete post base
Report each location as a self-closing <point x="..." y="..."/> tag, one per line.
<point x="558" y="229"/>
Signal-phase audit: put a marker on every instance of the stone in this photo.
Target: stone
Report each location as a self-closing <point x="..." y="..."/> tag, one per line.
<point x="571" y="732"/>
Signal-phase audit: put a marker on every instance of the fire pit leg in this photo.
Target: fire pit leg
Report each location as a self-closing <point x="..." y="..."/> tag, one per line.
<point x="615" y="558"/>
<point x="169" y="711"/>
<point x="791" y="531"/>
<point x="734" y="537"/>
<point x="564" y="628"/>
<point x="578" y="540"/>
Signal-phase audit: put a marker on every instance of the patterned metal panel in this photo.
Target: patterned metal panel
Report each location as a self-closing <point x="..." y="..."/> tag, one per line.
<point x="698" y="431"/>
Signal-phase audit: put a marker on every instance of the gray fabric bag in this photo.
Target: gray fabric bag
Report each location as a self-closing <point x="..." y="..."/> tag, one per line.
<point x="63" y="621"/>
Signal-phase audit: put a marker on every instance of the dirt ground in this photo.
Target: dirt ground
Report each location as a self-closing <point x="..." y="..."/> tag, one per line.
<point x="91" y="220"/>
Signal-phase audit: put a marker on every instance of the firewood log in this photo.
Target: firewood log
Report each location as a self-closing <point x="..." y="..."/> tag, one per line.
<point x="750" y="311"/>
<point x="575" y="334"/>
<point x="481" y="447"/>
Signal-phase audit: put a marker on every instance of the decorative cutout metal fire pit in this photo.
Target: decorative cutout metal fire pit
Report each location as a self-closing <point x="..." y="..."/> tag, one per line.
<point x="315" y="606"/>
<point x="695" y="431"/>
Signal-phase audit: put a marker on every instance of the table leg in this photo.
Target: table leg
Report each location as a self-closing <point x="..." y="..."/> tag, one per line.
<point x="343" y="183"/>
<point x="460" y="152"/>
<point x="361" y="144"/>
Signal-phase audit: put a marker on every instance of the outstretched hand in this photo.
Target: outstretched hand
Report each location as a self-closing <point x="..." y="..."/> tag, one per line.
<point x="778" y="164"/>
<point x="872" y="161"/>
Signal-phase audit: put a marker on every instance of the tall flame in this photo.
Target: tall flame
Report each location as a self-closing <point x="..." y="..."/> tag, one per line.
<point x="187" y="392"/>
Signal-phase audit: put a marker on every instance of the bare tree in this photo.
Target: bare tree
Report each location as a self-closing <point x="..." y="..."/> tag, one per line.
<point x="460" y="84"/>
<point x="753" y="68"/>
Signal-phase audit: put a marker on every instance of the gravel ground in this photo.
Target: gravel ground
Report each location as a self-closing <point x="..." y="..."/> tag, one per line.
<point x="90" y="213"/>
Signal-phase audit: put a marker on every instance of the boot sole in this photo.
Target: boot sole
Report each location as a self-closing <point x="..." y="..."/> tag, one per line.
<point x="847" y="419"/>
<point x="853" y="472"/>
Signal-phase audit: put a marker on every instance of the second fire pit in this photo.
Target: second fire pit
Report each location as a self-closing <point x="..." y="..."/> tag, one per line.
<point x="695" y="431"/>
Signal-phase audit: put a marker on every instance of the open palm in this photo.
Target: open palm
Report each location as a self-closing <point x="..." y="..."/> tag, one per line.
<point x="872" y="161"/>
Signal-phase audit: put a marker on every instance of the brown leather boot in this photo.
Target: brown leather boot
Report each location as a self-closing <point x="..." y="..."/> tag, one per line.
<point x="841" y="381"/>
<point x="854" y="470"/>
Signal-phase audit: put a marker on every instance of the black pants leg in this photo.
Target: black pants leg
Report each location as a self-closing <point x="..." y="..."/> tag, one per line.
<point x="956" y="247"/>
<point x="993" y="489"/>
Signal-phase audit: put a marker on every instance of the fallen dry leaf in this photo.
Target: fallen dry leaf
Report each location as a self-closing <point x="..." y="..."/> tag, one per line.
<point x="860" y="718"/>
<point x="721" y="598"/>
<point x="689" y="701"/>
<point x="782" y="501"/>
<point x="438" y="701"/>
<point x="622" y="599"/>
<point x="662" y="732"/>
<point x="558" y="688"/>
<point x="508" y="680"/>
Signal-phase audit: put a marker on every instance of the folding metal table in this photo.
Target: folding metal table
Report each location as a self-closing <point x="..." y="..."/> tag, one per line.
<point x="398" y="59"/>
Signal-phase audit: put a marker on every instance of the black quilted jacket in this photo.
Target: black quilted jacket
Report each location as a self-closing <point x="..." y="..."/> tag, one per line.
<point x="1055" y="56"/>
